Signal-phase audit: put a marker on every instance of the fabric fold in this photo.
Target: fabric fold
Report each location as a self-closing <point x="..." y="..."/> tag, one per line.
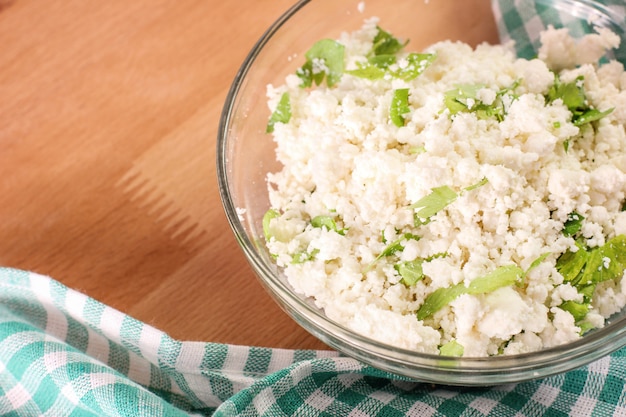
<point x="65" y="354"/>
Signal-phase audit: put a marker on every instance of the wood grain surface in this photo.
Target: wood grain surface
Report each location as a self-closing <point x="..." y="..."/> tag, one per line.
<point x="108" y="118"/>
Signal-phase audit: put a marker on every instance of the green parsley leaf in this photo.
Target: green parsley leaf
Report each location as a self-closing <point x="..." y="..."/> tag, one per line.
<point x="578" y="310"/>
<point x="585" y="326"/>
<point x="438" y="299"/>
<point x="477" y="185"/>
<point x="377" y="67"/>
<point x="498" y="278"/>
<point x="432" y="203"/>
<point x="606" y="262"/>
<point x="367" y="71"/>
<point x="397" y="246"/>
<point x="415" y="65"/>
<point x="324" y="221"/>
<point x="328" y="222"/>
<point x="503" y="276"/>
<point x="461" y="98"/>
<point x="383" y="55"/>
<point x="380" y="57"/>
<point x="267" y="218"/>
<point x="591" y="115"/>
<point x="399" y="106"/>
<point x="392" y="248"/>
<point x="417" y="150"/>
<point x="571" y="264"/>
<point x="464" y="98"/>
<point x="573" y="96"/>
<point x="585" y="268"/>
<point x="537" y="262"/>
<point x="325" y="59"/>
<point x="438" y="199"/>
<point x="282" y="113"/>
<point x="411" y="271"/>
<point x="386" y="44"/>
<point x="382" y="62"/>
<point x="302" y="257"/>
<point x="573" y="224"/>
<point x="452" y="348"/>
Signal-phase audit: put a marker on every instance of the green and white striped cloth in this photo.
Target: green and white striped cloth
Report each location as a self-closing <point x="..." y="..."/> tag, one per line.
<point x="65" y="354"/>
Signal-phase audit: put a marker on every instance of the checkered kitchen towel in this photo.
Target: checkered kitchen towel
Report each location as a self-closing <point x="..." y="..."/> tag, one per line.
<point x="523" y="20"/>
<point x="65" y="354"/>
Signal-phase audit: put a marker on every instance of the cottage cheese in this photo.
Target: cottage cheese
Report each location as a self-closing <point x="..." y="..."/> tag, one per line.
<point x="342" y="157"/>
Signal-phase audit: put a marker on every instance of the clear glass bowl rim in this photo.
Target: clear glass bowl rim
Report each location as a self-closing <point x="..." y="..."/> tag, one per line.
<point x="465" y="371"/>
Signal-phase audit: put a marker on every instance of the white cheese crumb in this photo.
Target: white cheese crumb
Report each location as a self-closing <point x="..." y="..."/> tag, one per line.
<point x="559" y="50"/>
<point x="240" y="213"/>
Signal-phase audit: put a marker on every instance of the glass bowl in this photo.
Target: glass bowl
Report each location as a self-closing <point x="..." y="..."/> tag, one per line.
<point x="245" y="155"/>
<point x="578" y="16"/>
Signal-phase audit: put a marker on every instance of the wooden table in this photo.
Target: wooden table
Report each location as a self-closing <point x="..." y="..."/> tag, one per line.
<point x="108" y="119"/>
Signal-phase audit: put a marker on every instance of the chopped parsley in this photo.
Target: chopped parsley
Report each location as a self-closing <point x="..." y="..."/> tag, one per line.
<point x="407" y="68"/>
<point x="451" y="348"/>
<point x="302" y="257"/>
<point x="399" y="106"/>
<point x="578" y="310"/>
<point x="503" y="276"/>
<point x="325" y="60"/>
<point x="585" y="268"/>
<point x="477" y="185"/>
<point x="327" y="222"/>
<point x="296" y="258"/>
<point x="396" y="245"/>
<point x="591" y="115"/>
<point x="282" y="113"/>
<point x="415" y="65"/>
<point x="411" y="271"/>
<point x="438" y="199"/>
<point x="382" y="60"/>
<point x="591" y="266"/>
<point x="433" y="203"/>
<point x="573" y="224"/>
<point x="571" y="264"/>
<point x="368" y="71"/>
<point x="573" y="96"/>
<point x="392" y="248"/>
<point x="606" y="262"/>
<point x="464" y="98"/>
<point x="416" y="150"/>
<point x="534" y="264"/>
<point x="267" y="218"/>
<point x="386" y="44"/>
